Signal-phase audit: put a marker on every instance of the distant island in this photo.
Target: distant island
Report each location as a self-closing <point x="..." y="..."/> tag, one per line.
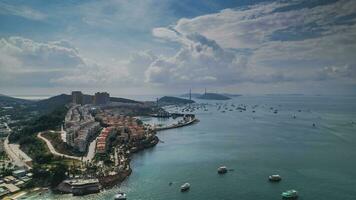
<point x="169" y="100"/>
<point x="213" y="96"/>
<point x="193" y="95"/>
<point x="231" y="95"/>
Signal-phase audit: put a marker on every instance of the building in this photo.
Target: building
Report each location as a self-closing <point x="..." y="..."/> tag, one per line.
<point x="101" y="98"/>
<point x="19" y="173"/>
<point x="77" y="97"/>
<point x="80" y="126"/>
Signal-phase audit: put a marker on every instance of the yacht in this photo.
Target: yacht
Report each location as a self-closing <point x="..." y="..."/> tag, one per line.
<point x="290" y="194"/>
<point x="120" y="196"/>
<point x="222" y="170"/>
<point x="275" y="178"/>
<point x="185" y="187"/>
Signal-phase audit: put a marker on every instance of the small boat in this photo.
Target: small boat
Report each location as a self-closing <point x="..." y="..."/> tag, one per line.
<point x="290" y="194"/>
<point x="185" y="187"/>
<point x="275" y="178"/>
<point x="120" y="196"/>
<point x="222" y="170"/>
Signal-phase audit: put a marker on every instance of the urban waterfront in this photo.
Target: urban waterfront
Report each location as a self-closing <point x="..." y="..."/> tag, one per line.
<point x="318" y="161"/>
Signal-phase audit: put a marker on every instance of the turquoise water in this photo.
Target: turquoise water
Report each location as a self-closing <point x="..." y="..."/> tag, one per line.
<point x="319" y="162"/>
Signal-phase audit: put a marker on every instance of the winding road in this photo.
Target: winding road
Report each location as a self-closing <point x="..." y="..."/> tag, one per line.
<point x="54" y="151"/>
<point x="90" y="155"/>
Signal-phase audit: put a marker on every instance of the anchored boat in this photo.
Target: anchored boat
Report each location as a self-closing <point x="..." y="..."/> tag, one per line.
<point x="275" y="178"/>
<point x="222" y="170"/>
<point x="290" y="194"/>
<point x="120" y="196"/>
<point x="185" y="187"/>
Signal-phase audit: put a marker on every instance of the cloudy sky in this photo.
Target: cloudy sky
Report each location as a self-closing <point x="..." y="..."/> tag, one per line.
<point x="168" y="46"/>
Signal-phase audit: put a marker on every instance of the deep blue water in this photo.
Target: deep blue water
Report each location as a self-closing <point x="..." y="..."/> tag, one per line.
<point x="319" y="162"/>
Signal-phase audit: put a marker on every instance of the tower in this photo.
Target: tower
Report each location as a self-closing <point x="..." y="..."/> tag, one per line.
<point x="77" y="97"/>
<point x="101" y="98"/>
<point x="190" y="94"/>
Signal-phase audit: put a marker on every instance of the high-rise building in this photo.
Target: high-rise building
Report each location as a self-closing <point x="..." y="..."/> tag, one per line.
<point x="77" y="97"/>
<point x="101" y="98"/>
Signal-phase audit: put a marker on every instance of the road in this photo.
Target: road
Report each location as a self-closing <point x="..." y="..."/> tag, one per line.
<point x="90" y="155"/>
<point x="91" y="151"/>
<point x="18" y="157"/>
<point x="53" y="150"/>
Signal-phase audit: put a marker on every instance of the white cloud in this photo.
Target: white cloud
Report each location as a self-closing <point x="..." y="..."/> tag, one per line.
<point x="31" y="56"/>
<point x="262" y="37"/>
<point x="200" y="60"/>
<point x="264" y="44"/>
<point x="24" y="61"/>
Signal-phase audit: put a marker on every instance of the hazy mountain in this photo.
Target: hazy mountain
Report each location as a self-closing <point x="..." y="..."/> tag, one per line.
<point x="7" y="100"/>
<point x="194" y="95"/>
<point x="169" y="100"/>
<point x="213" y="96"/>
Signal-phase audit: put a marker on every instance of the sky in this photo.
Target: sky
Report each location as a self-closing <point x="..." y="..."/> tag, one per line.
<point x="134" y="47"/>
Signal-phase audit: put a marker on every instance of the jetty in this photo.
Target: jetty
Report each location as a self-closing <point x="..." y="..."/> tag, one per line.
<point x="178" y="125"/>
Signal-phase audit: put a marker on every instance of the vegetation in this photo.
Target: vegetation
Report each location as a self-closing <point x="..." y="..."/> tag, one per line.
<point x="49" y="175"/>
<point x="47" y="169"/>
<point x="27" y="136"/>
<point x="61" y="146"/>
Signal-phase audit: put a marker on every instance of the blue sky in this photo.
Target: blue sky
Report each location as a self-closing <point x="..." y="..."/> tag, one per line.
<point x="158" y="47"/>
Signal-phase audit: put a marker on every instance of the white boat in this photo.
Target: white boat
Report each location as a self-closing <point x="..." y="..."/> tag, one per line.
<point x="222" y="170"/>
<point x="290" y="194"/>
<point x="185" y="187"/>
<point x="275" y="178"/>
<point x="120" y="196"/>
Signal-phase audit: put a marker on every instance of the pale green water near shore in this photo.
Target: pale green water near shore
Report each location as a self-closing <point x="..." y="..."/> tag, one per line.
<point x="319" y="161"/>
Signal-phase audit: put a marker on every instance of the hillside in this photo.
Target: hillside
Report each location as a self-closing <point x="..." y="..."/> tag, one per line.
<point x="54" y="102"/>
<point x="9" y="101"/>
<point x="62" y="99"/>
<point x="213" y="96"/>
<point x="50" y="104"/>
<point x="123" y="100"/>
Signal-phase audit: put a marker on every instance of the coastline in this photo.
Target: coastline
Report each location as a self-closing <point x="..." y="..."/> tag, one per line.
<point x="109" y="180"/>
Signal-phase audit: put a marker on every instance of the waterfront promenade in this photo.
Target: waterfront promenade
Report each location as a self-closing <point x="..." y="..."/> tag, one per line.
<point x="171" y="126"/>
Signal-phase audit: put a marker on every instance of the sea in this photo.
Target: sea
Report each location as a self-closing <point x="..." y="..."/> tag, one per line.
<point x="319" y="161"/>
